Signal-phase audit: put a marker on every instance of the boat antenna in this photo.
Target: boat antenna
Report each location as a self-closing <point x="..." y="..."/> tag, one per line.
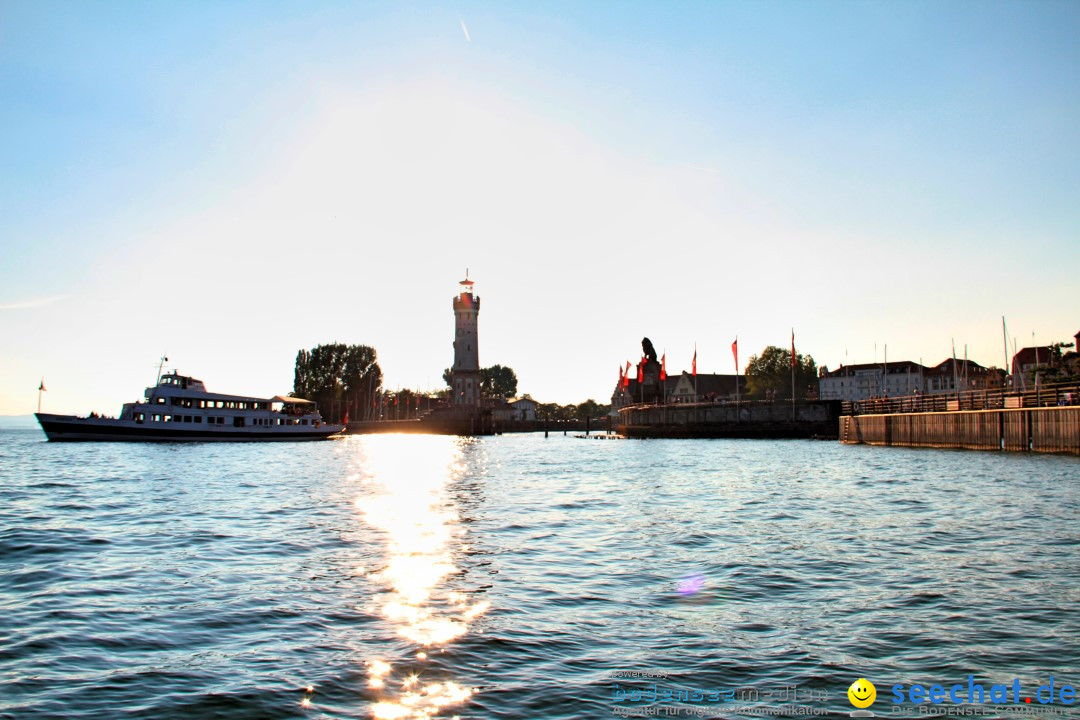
<point x="160" y="365"/>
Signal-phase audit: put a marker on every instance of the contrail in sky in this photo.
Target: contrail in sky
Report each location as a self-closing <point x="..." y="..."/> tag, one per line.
<point x="25" y="304"/>
<point x="465" y="29"/>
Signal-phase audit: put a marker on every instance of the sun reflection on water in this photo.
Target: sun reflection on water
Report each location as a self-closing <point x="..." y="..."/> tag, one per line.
<point x="406" y="496"/>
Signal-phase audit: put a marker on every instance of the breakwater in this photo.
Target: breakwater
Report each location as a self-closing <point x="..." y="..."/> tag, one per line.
<point x="731" y="420"/>
<point x="472" y="425"/>
<point x="1046" y="429"/>
<point x="445" y="424"/>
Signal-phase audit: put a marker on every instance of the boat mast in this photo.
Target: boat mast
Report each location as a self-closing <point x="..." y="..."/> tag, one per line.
<point x="160" y="365"/>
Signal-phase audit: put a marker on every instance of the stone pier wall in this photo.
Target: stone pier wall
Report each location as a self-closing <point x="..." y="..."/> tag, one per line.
<point x="728" y="420"/>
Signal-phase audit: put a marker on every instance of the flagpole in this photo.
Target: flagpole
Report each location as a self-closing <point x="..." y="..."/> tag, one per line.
<point x="793" y="374"/>
<point x="1005" y="339"/>
<point x="41" y="389"/>
<point x="735" y="347"/>
<point x="955" y="376"/>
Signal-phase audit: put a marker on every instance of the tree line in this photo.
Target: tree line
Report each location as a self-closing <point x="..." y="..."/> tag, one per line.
<point x="496" y="381"/>
<point x="768" y="375"/>
<point x="346" y="380"/>
<point x="342" y="379"/>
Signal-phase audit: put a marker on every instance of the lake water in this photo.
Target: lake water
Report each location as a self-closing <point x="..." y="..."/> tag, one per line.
<point x="522" y="577"/>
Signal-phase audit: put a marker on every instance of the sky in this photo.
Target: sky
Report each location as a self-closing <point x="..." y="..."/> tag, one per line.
<point x="226" y="183"/>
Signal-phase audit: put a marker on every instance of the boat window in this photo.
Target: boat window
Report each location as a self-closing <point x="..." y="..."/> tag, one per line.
<point x="187" y="418"/>
<point x="198" y="418"/>
<point x="238" y="421"/>
<point x="304" y="421"/>
<point x="161" y="401"/>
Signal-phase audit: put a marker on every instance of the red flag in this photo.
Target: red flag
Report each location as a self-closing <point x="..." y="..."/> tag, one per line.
<point x="793" y="347"/>
<point x="693" y="365"/>
<point x="663" y="367"/>
<point x="735" y="352"/>
<point x="346" y="420"/>
<point x="641" y="371"/>
<point x="620" y="377"/>
<point x="626" y="376"/>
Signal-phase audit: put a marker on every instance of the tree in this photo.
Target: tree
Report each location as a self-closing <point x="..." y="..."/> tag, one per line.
<point x="555" y="411"/>
<point x="495" y="381"/>
<point x="771" y="371"/>
<point x="498" y="381"/>
<point x="1060" y="368"/>
<point x="341" y="378"/>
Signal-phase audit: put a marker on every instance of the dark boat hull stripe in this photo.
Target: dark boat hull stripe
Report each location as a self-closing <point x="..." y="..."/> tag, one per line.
<point x="57" y="430"/>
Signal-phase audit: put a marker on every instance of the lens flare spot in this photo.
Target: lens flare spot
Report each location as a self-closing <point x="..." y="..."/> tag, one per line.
<point x="691" y="584"/>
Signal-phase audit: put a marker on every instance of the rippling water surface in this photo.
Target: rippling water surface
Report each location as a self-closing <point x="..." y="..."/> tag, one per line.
<point x="511" y="577"/>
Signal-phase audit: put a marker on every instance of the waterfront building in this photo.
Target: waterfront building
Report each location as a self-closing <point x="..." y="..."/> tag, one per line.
<point x="524" y="409"/>
<point x="466" y="369"/>
<point x="1030" y="358"/>
<point x="904" y="377"/>
<point x="863" y="381"/>
<point x="953" y="375"/>
<point x="500" y="409"/>
<point x="682" y="388"/>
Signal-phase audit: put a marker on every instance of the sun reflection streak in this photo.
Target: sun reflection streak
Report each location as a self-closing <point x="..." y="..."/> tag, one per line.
<point x="406" y="498"/>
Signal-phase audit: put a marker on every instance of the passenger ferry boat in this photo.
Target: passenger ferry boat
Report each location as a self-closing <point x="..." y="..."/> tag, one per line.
<point x="179" y="409"/>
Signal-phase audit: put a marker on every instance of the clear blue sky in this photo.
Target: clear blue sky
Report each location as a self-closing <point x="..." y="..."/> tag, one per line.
<point x="230" y="182"/>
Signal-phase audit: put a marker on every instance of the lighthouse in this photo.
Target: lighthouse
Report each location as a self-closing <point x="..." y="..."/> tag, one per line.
<point x="466" y="370"/>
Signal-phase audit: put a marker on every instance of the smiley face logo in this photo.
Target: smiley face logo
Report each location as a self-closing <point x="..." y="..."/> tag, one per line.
<point x="862" y="693"/>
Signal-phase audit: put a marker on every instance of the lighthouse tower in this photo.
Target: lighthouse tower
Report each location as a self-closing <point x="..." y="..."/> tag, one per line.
<point x="466" y="370"/>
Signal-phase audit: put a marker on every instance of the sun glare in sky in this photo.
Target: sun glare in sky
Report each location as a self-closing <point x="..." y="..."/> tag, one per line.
<point x="229" y="189"/>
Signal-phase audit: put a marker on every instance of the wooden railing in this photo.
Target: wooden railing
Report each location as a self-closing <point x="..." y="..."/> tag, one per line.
<point x="1049" y="395"/>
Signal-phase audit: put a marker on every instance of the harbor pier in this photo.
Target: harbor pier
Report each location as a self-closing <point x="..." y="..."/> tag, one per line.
<point x="728" y="419"/>
<point x="1046" y="419"/>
